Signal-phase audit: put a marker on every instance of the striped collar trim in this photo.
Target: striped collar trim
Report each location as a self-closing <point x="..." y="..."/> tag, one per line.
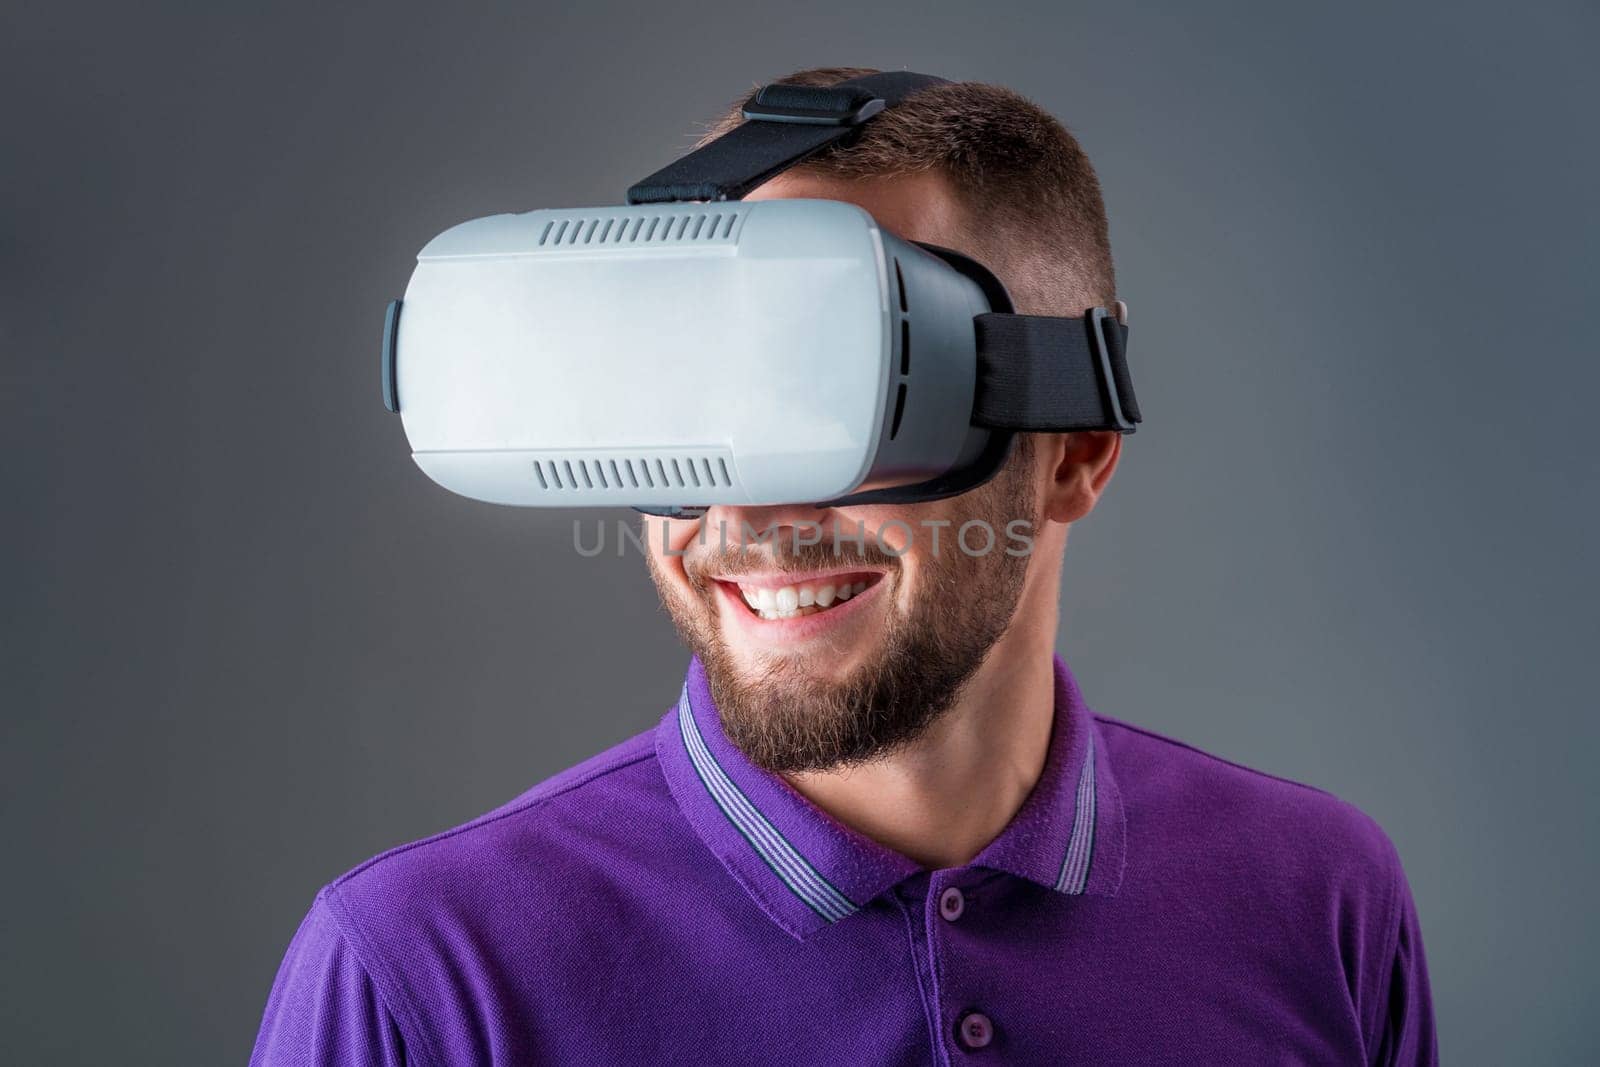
<point x="775" y="850"/>
<point x="1080" y="846"/>
<point x="807" y="871"/>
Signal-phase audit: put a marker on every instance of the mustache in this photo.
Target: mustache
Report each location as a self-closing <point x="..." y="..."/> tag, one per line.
<point x="782" y="555"/>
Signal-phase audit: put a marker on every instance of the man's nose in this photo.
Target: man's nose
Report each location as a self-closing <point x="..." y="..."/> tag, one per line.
<point x="748" y="525"/>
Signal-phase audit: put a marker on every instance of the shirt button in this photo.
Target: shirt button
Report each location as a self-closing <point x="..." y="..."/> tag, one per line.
<point x="951" y="904"/>
<point x="975" y="1029"/>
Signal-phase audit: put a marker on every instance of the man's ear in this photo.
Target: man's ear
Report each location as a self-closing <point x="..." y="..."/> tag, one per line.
<point x="1079" y="465"/>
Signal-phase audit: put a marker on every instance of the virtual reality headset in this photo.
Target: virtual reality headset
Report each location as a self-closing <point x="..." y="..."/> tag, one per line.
<point x="691" y="349"/>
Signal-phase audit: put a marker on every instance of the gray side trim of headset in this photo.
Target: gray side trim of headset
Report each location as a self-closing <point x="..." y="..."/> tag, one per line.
<point x="391" y="337"/>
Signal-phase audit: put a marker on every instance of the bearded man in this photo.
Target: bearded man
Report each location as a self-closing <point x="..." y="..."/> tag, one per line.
<point x="880" y="824"/>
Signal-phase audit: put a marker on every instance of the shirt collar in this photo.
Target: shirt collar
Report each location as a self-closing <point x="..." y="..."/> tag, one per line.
<point x="807" y="871"/>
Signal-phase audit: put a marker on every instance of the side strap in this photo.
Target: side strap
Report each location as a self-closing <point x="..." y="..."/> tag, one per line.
<point x="1053" y="375"/>
<point x="785" y="124"/>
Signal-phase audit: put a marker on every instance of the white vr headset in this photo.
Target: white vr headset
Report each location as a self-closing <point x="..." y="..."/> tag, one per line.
<point x="691" y="349"/>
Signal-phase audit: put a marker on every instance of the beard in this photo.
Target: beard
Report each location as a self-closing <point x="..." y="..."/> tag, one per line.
<point x="785" y="719"/>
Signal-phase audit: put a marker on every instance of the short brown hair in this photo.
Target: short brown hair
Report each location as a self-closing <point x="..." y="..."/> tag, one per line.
<point x="1034" y="214"/>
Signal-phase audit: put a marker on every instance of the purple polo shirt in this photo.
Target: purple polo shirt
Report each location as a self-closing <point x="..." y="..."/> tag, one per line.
<point x="668" y="902"/>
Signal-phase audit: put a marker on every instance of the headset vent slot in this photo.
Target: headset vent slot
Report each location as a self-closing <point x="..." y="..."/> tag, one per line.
<point x="621" y="231"/>
<point x="607" y="475"/>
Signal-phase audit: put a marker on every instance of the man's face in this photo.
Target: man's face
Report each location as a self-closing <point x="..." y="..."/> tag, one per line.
<point x="833" y="635"/>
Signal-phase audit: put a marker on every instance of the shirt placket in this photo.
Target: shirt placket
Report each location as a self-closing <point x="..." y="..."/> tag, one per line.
<point x="944" y="913"/>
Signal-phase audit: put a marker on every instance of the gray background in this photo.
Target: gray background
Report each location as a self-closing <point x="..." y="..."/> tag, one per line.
<point x="247" y="644"/>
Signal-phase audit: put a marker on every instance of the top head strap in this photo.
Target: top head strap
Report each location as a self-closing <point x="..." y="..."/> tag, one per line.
<point x="785" y="125"/>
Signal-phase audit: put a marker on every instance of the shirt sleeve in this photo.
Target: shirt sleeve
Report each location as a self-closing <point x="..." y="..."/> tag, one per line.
<point x="1408" y="1034"/>
<point x="324" y="1008"/>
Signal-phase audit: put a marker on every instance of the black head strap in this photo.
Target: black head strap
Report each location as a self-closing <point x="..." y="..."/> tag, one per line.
<point x="786" y="124"/>
<point x="1054" y="375"/>
<point x="1043" y="374"/>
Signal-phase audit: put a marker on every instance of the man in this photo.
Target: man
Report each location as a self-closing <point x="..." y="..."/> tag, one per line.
<point x="880" y="824"/>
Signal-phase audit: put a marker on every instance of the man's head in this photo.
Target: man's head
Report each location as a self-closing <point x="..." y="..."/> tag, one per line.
<point x="833" y="636"/>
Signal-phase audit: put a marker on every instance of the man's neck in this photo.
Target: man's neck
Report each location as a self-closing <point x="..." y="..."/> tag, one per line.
<point x="944" y="797"/>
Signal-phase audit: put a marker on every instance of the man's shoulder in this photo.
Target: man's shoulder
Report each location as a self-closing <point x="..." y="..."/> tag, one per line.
<point x="1183" y="800"/>
<point x="550" y="834"/>
<point x="503" y="894"/>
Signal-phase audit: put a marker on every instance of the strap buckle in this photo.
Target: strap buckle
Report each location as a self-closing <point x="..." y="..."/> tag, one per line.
<point x="865" y="107"/>
<point x="1108" y="379"/>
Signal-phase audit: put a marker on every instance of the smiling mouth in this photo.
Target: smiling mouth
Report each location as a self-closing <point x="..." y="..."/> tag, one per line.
<point x="770" y="598"/>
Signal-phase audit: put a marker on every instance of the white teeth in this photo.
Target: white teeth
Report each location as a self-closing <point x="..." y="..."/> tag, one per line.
<point x="795" y="601"/>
